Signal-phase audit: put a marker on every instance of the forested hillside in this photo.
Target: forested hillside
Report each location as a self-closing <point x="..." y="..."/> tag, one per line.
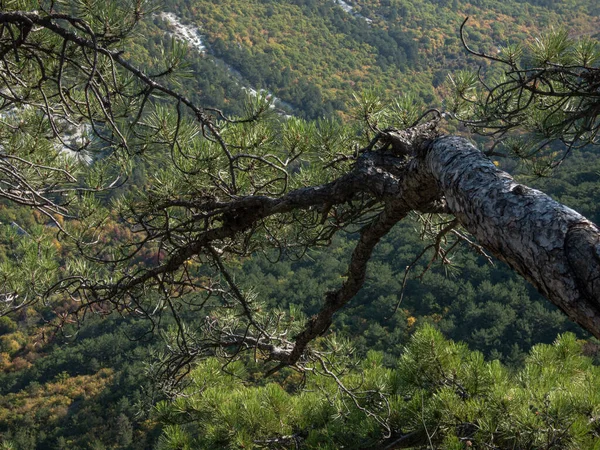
<point x="423" y="346"/>
<point x="316" y="55"/>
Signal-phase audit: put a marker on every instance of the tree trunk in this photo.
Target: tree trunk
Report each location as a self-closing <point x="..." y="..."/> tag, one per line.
<point x="552" y="246"/>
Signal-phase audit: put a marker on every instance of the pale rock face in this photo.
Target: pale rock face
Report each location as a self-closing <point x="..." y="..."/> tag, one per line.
<point x="193" y="36"/>
<point x="185" y="33"/>
<point x="350" y="10"/>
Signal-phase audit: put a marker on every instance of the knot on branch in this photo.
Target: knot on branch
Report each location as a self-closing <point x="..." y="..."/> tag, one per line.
<point x="411" y="141"/>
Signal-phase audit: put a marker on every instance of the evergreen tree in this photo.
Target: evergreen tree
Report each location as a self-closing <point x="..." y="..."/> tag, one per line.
<point x="438" y="395"/>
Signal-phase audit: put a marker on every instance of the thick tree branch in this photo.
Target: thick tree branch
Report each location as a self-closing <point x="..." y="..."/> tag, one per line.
<point x="370" y="235"/>
<point x="552" y="246"/>
<point x="383" y="176"/>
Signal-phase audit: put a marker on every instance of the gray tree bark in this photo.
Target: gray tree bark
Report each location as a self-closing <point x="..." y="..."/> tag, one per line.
<point x="552" y="246"/>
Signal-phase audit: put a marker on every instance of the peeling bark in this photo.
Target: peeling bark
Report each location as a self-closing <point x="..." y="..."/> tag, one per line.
<point x="552" y="246"/>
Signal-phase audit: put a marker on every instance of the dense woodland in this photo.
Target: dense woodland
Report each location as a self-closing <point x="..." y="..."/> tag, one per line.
<point x="433" y="348"/>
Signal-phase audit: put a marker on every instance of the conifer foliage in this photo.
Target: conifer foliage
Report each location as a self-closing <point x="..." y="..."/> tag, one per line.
<point x="438" y="394"/>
